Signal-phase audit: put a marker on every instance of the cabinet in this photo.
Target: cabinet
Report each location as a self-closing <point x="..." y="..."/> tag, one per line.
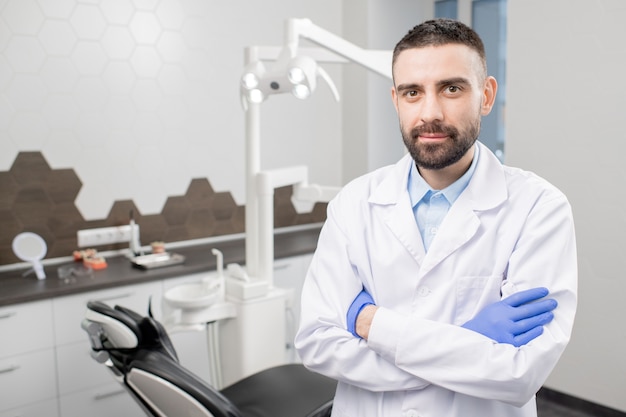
<point x="27" y="368"/>
<point x="45" y="363"/>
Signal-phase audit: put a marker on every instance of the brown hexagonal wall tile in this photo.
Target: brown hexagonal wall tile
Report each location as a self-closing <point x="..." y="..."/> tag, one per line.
<point x="36" y="198"/>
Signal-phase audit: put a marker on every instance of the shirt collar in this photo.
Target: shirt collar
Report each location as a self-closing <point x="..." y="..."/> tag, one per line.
<point x="418" y="187"/>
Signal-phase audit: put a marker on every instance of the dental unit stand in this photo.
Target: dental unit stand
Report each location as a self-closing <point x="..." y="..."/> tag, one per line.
<point x="256" y="339"/>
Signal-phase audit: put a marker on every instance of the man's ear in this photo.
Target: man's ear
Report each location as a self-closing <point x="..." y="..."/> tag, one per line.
<point x="489" y="95"/>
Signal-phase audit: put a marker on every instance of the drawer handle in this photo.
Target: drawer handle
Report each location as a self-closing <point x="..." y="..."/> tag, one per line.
<point x="106" y="395"/>
<point x="7" y="315"/>
<point x="116" y="297"/>
<point x="10" y="368"/>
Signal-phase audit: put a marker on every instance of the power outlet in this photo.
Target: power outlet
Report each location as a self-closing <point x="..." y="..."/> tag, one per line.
<point x="104" y="235"/>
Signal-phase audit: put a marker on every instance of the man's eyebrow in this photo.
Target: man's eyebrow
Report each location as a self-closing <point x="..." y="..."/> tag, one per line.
<point x="409" y="86"/>
<point x="454" y="81"/>
<point x="441" y="83"/>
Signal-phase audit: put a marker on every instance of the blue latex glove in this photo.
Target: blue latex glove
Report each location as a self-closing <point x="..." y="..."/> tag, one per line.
<point x="361" y="300"/>
<point x="516" y="320"/>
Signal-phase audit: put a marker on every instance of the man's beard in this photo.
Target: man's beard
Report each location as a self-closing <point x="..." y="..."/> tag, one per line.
<point x="440" y="155"/>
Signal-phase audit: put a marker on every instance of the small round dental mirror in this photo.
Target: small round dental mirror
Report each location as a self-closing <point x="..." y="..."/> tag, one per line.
<point x="32" y="248"/>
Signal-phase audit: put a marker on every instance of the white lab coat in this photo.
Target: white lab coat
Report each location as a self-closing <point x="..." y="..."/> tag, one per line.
<point x="509" y="230"/>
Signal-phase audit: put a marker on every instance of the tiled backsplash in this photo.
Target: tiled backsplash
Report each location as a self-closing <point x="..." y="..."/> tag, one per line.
<point x="36" y="198"/>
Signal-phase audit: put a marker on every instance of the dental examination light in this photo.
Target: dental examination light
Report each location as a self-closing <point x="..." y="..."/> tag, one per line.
<point x="290" y="73"/>
<point x="295" y="70"/>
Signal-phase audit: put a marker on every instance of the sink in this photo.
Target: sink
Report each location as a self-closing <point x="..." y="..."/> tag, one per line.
<point x="199" y="301"/>
<point x="193" y="295"/>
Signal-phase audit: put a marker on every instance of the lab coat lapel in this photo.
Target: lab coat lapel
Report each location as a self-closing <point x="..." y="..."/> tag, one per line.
<point x="486" y="190"/>
<point x="458" y="227"/>
<point x="392" y="204"/>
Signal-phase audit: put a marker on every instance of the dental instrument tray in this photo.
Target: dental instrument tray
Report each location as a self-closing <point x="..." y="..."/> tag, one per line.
<point x="157" y="260"/>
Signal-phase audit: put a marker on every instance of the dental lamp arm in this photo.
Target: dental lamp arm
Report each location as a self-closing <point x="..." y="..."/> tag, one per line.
<point x="378" y="61"/>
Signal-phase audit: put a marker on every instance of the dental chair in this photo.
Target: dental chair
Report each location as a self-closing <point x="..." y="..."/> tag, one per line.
<point x="142" y="358"/>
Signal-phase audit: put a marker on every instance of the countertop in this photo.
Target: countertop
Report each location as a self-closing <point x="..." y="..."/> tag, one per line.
<point x="15" y="288"/>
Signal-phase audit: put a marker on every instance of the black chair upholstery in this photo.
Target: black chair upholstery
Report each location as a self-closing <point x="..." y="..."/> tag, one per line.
<point x="150" y="371"/>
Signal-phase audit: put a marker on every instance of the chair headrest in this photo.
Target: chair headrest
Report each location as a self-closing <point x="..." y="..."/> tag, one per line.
<point x="126" y="329"/>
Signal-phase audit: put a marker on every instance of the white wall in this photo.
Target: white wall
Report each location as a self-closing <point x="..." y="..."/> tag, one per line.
<point x="371" y="133"/>
<point x="566" y="103"/>
<point x="141" y="96"/>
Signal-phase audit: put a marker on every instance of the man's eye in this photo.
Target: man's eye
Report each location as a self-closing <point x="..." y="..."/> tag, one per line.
<point x="411" y="93"/>
<point x="453" y="89"/>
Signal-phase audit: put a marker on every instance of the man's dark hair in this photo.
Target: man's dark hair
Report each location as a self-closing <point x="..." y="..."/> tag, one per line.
<point x="439" y="32"/>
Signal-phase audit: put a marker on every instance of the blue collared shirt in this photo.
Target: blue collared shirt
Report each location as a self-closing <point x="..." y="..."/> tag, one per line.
<point x="431" y="206"/>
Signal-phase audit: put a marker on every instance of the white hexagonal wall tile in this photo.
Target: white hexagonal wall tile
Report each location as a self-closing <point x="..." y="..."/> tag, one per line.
<point x="195" y="31"/>
<point x="170" y="14"/>
<point x="89" y="58"/>
<point x="92" y="129"/>
<point x="198" y="65"/>
<point x="57" y="37"/>
<point x="150" y="197"/>
<point x="28" y="130"/>
<point x="6" y="73"/>
<point x="60" y="111"/>
<point x="91" y="94"/>
<point x="172" y="79"/>
<point x="119" y="77"/>
<point x="7" y="111"/>
<point x="95" y="198"/>
<point x="147" y="95"/>
<point x="121" y="113"/>
<point x="148" y="163"/>
<point x="27" y="92"/>
<point x="88" y="22"/>
<point x="198" y="8"/>
<point x="8" y="154"/>
<point x="124" y="180"/>
<point x="59" y="74"/>
<point x="5" y="34"/>
<point x="174" y="115"/>
<point x="61" y="148"/>
<point x="172" y="47"/>
<point x="25" y="54"/>
<point x="118" y="42"/>
<point x="118" y="12"/>
<point x="147" y="129"/>
<point x="145" y="28"/>
<point x="122" y="140"/>
<point x="146" y="61"/>
<point x="58" y="9"/>
<point x="23" y="17"/>
<point x="145" y="4"/>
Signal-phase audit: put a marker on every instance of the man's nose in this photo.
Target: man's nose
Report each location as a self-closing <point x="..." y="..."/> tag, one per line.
<point x="432" y="109"/>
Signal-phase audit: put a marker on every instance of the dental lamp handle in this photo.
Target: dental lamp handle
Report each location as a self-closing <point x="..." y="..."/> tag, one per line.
<point x="322" y="73"/>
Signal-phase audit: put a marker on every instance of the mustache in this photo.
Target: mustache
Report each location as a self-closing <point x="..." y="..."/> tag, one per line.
<point x="434" y="128"/>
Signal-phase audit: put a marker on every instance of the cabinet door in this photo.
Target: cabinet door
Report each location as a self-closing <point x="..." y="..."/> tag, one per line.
<point x="69" y="311"/>
<point x="77" y="370"/>
<point x="25" y="328"/>
<point x="26" y="379"/>
<point x="45" y="408"/>
<point x="289" y="273"/>
<point x="104" y="401"/>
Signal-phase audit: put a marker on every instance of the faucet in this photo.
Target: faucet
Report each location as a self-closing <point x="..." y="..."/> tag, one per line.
<point x="134" y="245"/>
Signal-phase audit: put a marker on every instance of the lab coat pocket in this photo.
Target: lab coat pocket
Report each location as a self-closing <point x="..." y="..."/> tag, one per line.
<point x="473" y="293"/>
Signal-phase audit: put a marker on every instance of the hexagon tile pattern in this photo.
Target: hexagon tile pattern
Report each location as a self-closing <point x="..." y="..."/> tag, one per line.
<point x="36" y="198"/>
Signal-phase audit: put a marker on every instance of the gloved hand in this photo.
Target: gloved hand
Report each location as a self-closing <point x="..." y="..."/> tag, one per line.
<point x="516" y="320"/>
<point x="361" y="300"/>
